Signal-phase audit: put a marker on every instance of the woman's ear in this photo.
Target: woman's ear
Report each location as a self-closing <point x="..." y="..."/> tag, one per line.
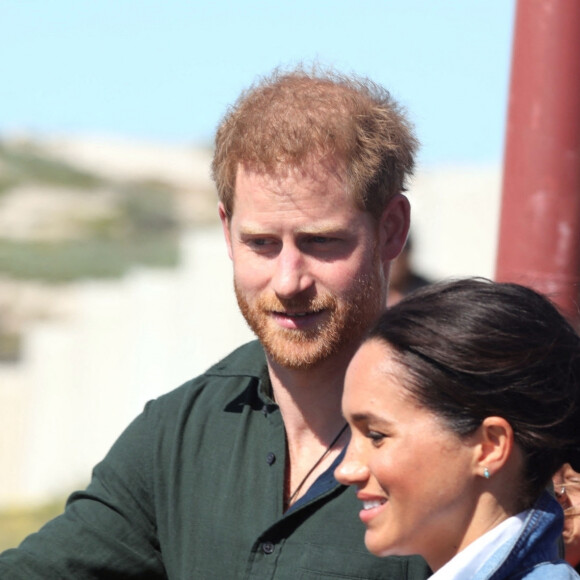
<point x="394" y="228"/>
<point x="495" y="446"/>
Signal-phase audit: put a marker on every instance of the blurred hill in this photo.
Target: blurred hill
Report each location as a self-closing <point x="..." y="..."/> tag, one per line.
<point x="115" y="286"/>
<point x="86" y="208"/>
<point x="55" y="190"/>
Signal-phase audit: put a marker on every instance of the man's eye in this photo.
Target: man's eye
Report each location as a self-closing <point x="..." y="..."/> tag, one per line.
<point x="259" y="242"/>
<point x="321" y="240"/>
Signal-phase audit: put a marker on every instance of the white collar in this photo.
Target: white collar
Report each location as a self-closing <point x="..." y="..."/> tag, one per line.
<point x="466" y="563"/>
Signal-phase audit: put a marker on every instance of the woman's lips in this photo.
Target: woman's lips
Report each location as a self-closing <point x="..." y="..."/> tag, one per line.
<point x="371" y="507"/>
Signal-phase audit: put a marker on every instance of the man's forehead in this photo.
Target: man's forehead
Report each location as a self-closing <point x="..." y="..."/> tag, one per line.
<point x="313" y="168"/>
<point x="304" y="187"/>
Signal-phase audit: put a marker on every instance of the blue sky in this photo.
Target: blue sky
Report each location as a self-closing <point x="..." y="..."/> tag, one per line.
<point x="167" y="69"/>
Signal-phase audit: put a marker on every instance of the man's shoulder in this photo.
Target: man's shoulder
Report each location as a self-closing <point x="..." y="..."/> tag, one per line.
<point x="222" y="381"/>
<point x="213" y="399"/>
<point x="246" y="360"/>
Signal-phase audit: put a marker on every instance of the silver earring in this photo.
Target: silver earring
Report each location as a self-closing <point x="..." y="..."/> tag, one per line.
<point x="486" y="473"/>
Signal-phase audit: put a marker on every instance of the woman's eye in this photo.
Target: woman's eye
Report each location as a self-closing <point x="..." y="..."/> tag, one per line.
<point x="375" y="437"/>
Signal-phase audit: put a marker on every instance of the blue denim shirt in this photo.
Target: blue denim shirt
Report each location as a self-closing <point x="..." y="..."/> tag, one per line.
<point x="533" y="553"/>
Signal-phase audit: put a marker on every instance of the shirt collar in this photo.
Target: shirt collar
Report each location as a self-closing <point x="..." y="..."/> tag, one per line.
<point x="466" y="563"/>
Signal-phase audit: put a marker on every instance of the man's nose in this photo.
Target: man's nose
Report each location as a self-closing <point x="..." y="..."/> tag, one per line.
<point x="292" y="272"/>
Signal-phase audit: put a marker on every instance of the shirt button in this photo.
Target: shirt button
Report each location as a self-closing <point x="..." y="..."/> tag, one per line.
<point x="270" y="458"/>
<point x="267" y="547"/>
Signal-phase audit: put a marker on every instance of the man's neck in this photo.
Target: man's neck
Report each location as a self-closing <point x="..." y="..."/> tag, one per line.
<point x="309" y="399"/>
<point x="310" y="404"/>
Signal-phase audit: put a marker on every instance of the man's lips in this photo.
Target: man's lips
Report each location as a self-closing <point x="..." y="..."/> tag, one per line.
<point x="296" y="320"/>
<point x="295" y="314"/>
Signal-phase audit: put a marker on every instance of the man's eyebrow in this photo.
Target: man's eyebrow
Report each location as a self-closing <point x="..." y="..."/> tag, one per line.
<point x="255" y="229"/>
<point x="252" y="231"/>
<point x="324" y="230"/>
<point x="309" y="230"/>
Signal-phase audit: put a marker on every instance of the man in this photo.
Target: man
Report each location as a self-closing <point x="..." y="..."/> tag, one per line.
<point x="231" y="476"/>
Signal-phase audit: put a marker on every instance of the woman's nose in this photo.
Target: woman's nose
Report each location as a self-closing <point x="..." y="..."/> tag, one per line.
<point x="352" y="470"/>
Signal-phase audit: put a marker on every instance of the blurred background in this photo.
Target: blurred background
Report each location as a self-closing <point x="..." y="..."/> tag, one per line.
<point x="115" y="286"/>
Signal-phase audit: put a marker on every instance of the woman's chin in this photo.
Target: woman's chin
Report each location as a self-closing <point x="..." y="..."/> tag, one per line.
<point x="382" y="549"/>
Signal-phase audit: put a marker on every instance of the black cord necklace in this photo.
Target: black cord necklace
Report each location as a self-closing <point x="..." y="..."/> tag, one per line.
<point x="316" y="464"/>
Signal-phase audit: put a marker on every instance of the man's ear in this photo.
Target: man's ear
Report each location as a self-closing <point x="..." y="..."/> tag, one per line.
<point x="226" y="227"/>
<point x="495" y="446"/>
<point x="394" y="228"/>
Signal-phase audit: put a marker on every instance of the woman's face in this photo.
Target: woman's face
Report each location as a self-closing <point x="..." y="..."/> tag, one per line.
<point x="414" y="476"/>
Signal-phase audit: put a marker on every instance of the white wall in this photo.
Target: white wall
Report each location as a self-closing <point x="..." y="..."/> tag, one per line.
<point x="455" y="218"/>
<point x="84" y="378"/>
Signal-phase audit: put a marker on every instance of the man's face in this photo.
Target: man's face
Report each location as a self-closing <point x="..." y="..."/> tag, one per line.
<point x="308" y="274"/>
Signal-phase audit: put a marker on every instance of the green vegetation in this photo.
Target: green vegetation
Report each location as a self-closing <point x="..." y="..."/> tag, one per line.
<point x="136" y="226"/>
<point x="10" y="346"/>
<point x="141" y="228"/>
<point x="147" y="207"/>
<point x="25" y="164"/>
<point x="92" y="258"/>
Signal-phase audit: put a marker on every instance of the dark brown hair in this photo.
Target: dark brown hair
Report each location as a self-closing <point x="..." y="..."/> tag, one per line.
<point x="289" y="119"/>
<point x="474" y="348"/>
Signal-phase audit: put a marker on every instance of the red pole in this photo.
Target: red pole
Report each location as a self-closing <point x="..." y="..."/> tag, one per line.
<point x="539" y="236"/>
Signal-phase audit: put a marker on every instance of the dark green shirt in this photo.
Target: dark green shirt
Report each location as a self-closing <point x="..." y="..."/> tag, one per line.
<point x="194" y="489"/>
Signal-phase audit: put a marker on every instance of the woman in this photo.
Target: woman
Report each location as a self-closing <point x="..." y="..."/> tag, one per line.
<point x="463" y="402"/>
